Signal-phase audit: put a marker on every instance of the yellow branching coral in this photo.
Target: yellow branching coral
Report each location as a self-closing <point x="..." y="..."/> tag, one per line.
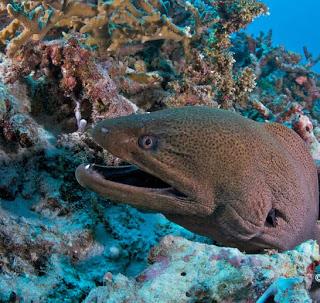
<point x="142" y="23"/>
<point x="110" y="24"/>
<point x="38" y="18"/>
<point x="9" y="31"/>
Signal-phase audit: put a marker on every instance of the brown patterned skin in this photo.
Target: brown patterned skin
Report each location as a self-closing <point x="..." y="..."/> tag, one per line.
<point x="246" y="184"/>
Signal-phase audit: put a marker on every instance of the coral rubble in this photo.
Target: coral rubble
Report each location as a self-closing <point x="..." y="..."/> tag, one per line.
<point x="222" y="275"/>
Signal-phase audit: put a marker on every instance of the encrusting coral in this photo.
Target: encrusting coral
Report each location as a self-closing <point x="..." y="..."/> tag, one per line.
<point x="82" y="79"/>
<point x="15" y="125"/>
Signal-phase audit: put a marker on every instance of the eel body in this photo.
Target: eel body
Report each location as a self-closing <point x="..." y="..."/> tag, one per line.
<point x="245" y="184"/>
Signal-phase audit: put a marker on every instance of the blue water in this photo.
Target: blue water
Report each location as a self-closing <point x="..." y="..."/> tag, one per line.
<point x="294" y="24"/>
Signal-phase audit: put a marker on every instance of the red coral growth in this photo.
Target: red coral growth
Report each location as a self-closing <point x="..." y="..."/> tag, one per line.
<point x="81" y="76"/>
<point x="20" y="128"/>
<point x="303" y="126"/>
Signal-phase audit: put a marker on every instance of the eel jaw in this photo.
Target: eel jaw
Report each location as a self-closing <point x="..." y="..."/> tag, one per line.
<point x="132" y="185"/>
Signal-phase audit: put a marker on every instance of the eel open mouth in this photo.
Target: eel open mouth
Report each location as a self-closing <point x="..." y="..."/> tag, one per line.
<point x="126" y="177"/>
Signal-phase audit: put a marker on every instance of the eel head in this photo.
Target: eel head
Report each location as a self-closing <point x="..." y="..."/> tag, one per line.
<point x="160" y="174"/>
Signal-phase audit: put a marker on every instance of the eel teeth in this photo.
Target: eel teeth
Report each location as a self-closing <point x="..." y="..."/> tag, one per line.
<point x="104" y="130"/>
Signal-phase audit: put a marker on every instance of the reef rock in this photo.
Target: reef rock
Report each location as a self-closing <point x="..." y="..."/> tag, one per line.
<point x="185" y="271"/>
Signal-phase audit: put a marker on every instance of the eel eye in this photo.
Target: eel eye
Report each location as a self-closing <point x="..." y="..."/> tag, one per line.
<point x="147" y="142"/>
<point x="272" y="217"/>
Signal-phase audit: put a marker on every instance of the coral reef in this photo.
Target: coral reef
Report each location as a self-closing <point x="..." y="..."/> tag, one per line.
<point x="64" y="65"/>
<point x="287" y="88"/>
<point x="52" y="232"/>
<point x="222" y="275"/>
<point x="184" y="70"/>
<point x="82" y="79"/>
<point x="124" y="20"/>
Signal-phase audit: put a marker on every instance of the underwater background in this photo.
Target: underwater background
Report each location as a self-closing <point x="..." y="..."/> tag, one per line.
<point x="64" y="66"/>
<point x="295" y="28"/>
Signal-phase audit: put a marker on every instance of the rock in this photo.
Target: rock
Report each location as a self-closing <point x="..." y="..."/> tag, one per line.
<point x="184" y="271"/>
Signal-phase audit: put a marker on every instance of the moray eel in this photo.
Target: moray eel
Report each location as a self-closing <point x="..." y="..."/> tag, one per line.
<point x="245" y="184"/>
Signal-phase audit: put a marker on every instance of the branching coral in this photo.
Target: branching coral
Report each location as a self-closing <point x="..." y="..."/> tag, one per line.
<point x="234" y="15"/>
<point x="278" y="71"/>
<point x="38" y="18"/>
<point x="287" y="89"/>
<point x="209" y="76"/>
<point x="127" y="22"/>
<point x="115" y="22"/>
<point x="178" y="74"/>
<point x="213" y="65"/>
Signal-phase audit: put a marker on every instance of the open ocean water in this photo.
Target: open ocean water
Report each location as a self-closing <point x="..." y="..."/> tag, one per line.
<point x="294" y="24"/>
